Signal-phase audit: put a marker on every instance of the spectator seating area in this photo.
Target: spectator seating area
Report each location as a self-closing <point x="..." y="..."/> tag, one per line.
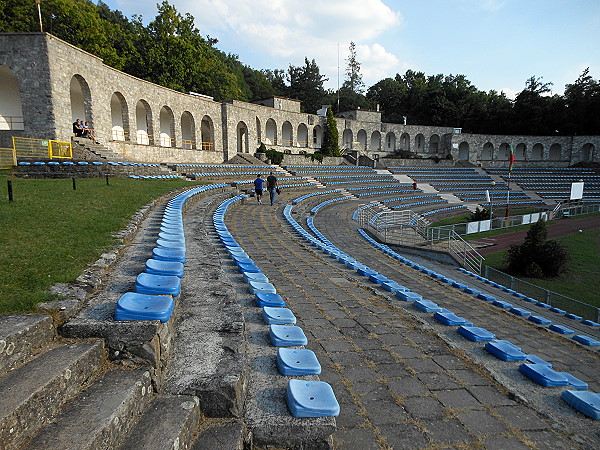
<point x="553" y="183"/>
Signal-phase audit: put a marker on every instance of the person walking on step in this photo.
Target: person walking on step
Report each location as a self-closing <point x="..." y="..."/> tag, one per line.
<point x="414" y="186"/>
<point x="272" y="187"/>
<point x="258" y="188"/>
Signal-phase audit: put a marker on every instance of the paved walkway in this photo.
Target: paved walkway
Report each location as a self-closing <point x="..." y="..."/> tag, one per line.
<point x="402" y="380"/>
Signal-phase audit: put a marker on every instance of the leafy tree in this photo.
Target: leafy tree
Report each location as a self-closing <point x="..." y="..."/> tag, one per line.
<point x="306" y="85"/>
<point x="330" y="146"/>
<point x="582" y="100"/>
<point x="354" y="81"/>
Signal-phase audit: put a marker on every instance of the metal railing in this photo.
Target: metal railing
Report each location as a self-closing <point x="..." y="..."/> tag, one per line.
<point x="407" y="228"/>
<point x="552" y="298"/>
<point x="41" y="148"/>
<point x="497" y="223"/>
<point x="12" y="123"/>
<point x="8" y="158"/>
<point x="566" y="210"/>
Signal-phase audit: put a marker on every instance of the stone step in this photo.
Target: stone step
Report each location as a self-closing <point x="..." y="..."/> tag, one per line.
<point x="102" y="416"/>
<point x="20" y="336"/>
<point x="168" y="422"/>
<point x="34" y="394"/>
<point x="220" y="435"/>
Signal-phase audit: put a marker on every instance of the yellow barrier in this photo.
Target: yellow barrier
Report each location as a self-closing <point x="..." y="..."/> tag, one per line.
<point x="8" y="158"/>
<point x="41" y="148"/>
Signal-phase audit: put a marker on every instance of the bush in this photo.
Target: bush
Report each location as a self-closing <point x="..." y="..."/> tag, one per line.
<point x="261" y="148"/>
<point x="275" y="156"/>
<point x="479" y="214"/>
<point x="315" y="156"/>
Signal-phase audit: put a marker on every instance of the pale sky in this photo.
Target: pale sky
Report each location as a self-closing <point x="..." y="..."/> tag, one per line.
<point x="496" y="44"/>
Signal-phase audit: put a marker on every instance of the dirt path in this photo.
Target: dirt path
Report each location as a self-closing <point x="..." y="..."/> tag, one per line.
<point x="557" y="228"/>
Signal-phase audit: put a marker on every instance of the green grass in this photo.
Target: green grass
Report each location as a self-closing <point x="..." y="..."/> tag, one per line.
<point x="50" y="232"/>
<point x="582" y="281"/>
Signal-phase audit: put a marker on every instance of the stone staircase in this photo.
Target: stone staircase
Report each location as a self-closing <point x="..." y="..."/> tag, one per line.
<point x="90" y="150"/>
<point x="246" y="158"/>
<point x="58" y="393"/>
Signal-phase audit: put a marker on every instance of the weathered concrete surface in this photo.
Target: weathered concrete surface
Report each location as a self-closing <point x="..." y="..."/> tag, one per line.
<point x="21" y="335"/>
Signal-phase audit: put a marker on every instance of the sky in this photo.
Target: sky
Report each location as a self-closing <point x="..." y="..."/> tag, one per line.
<point x="496" y="44"/>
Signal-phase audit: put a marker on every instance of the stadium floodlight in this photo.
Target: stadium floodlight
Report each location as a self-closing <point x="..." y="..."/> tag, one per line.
<point x="39" y="8"/>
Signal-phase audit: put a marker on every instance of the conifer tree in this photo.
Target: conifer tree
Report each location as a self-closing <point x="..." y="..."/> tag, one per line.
<point x="330" y="145"/>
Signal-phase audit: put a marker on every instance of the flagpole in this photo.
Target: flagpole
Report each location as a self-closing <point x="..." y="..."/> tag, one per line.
<point x="508" y="194"/>
<point x="510" y="167"/>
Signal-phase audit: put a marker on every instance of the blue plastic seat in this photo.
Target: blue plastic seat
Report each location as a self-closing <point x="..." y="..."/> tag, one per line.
<point x="255" y="276"/>
<point x="486" y="297"/>
<point x="426" y="306"/>
<point x="470" y="290"/>
<point x="172" y="244"/>
<point x="539" y="319"/>
<point x="392" y="286"/>
<point x="502" y="304"/>
<point x="590" y="323"/>
<point x="505" y="350"/>
<point x="263" y="299"/>
<point x="586" y="402"/>
<point x="158" y="267"/>
<point x="533" y="359"/>
<point x="572" y="316"/>
<point x="366" y="271"/>
<point x="558" y="310"/>
<point x="519" y="311"/>
<point x="297" y="361"/>
<point x="167" y="254"/>
<point x="258" y="286"/>
<point x="311" y="399"/>
<point x="135" y="306"/>
<point x="278" y="316"/>
<point x="450" y="319"/>
<point x="561" y="329"/>
<point x="287" y="335"/>
<point x="586" y="340"/>
<point x="476" y="334"/>
<point x="250" y="267"/>
<point x="408" y="296"/>
<point x="547" y="377"/>
<point x="378" y="278"/>
<point x="147" y="283"/>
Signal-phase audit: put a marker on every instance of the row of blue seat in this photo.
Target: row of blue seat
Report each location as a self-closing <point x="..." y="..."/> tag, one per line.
<point x="332" y="170"/>
<point x="435" y="211"/>
<point x="153" y="177"/>
<point x="421" y="203"/>
<point x="321" y="205"/>
<point x="232" y="166"/>
<point x="312" y="194"/>
<point x="412" y="197"/>
<point x="360" y="176"/>
<point x="161" y="279"/>
<point x="385" y="186"/>
<point x="396" y="191"/>
<point x="533" y="367"/>
<point x="85" y="163"/>
<point x="431" y="169"/>
<point x="304" y="398"/>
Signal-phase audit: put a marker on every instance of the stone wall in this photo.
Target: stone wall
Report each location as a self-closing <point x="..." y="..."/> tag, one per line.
<point x="58" y="82"/>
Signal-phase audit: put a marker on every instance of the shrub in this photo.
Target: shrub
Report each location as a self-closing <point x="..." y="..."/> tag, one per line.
<point x="479" y="214"/>
<point x="315" y="156"/>
<point x="261" y="148"/>
<point x="275" y="156"/>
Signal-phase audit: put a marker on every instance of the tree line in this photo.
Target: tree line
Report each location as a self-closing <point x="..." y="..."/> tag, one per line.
<point x="172" y="52"/>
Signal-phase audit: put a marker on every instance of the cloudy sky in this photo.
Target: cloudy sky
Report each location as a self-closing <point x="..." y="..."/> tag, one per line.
<point x="496" y="44"/>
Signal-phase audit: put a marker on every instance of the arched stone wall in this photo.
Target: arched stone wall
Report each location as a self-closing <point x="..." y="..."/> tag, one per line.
<point x="11" y="107"/>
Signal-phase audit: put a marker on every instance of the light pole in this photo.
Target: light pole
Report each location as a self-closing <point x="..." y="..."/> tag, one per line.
<point x="39" y="8"/>
<point x="493" y="183"/>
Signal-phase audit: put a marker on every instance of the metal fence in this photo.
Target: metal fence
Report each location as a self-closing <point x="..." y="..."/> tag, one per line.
<point x="41" y="148"/>
<point x="496" y="223"/>
<point x="543" y="295"/>
<point x="404" y="227"/>
<point x="8" y="158"/>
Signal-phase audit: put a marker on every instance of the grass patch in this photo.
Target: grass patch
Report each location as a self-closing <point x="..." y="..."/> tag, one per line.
<point x="50" y="232"/>
<point x="582" y="281"/>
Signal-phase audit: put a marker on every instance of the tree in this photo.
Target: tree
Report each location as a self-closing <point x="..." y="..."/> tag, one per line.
<point x="306" y="85"/>
<point x="582" y="100"/>
<point x="330" y="145"/>
<point x="537" y="256"/>
<point x="354" y="81"/>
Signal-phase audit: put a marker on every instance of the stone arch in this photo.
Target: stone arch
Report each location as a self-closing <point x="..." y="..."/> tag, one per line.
<point x="587" y="152"/>
<point x="81" y="100"/>
<point x="242" y="137"/>
<point x="434" y="144"/>
<point x="207" y="133"/>
<point x="361" y="138"/>
<point x="188" y="130"/>
<point x="167" y="127"/>
<point x="119" y="114"/>
<point x="554" y="153"/>
<point x="302" y="135"/>
<point x="405" y="141"/>
<point x="144" y="123"/>
<point x="390" y="142"/>
<point x="347" y="137"/>
<point x="317" y="136"/>
<point x="271" y="132"/>
<point x="11" y="103"/>
<point x="463" y="151"/>
<point x="287" y="134"/>
<point x="537" y="152"/>
<point x="487" y="152"/>
<point x="258" y="131"/>
<point x="520" y="151"/>
<point x="503" y="151"/>
<point x="419" y="142"/>
<point x="375" y="141"/>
